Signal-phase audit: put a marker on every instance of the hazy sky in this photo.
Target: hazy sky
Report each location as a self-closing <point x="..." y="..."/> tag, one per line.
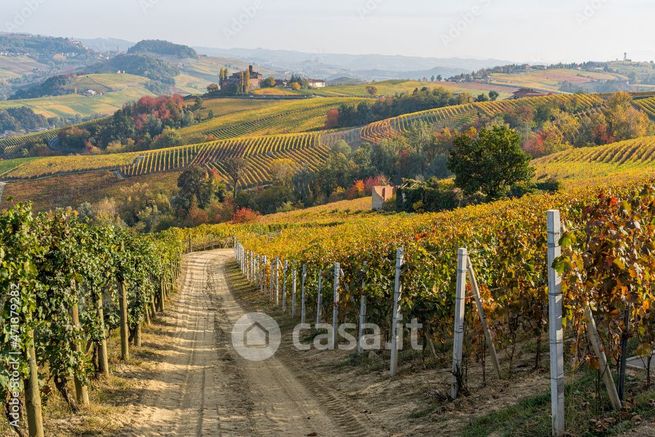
<point x="517" y="30"/>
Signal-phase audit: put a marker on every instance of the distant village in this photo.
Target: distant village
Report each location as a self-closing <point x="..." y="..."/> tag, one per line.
<point x="247" y="81"/>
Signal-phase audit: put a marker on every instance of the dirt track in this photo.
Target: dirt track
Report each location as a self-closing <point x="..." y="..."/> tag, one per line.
<point x="205" y="388"/>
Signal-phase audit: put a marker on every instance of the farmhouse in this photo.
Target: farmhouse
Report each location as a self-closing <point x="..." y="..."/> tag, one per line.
<point x="316" y="83"/>
<point x="381" y="194"/>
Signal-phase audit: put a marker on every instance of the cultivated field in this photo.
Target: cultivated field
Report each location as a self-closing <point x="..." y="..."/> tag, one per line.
<point x="123" y="88"/>
<point x="550" y="80"/>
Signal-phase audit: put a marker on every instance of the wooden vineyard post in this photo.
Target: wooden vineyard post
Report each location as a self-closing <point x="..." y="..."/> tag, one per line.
<point x="458" y="340"/>
<point x="125" y="333"/>
<point x="103" y="352"/>
<point x="319" y="297"/>
<point x="277" y="281"/>
<point x="483" y="317"/>
<point x="81" y="390"/>
<point x="294" y="277"/>
<point x="555" y="331"/>
<point x="285" y="269"/>
<point x="395" y="315"/>
<point x="162" y="294"/>
<point x="599" y="350"/>
<point x="33" y="392"/>
<point x="335" y="305"/>
<point x="303" y="281"/>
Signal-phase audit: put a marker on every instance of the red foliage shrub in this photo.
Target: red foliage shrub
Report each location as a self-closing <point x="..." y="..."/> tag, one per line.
<point x="244" y="215"/>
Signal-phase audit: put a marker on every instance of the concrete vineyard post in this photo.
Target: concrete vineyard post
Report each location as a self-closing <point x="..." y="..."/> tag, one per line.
<point x="284" y="285"/>
<point x="319" y="297"/>
<point x="252" y="267"/>
<point x="277" y="281"/>
<point x="555" y="331"/>
<point x="362" y="317"/>
<point x="623" y="363"/>
<point x="271" y="282"/>
<point x="294" y="277"/>
<point x="458" y="340"/>
<point x="125" y="334"/>
<point x="395" y="315"/>
<point x="33" y="392"/>
<point x="599" y="350"/>
<point x="483" y="317"/>
<point x="264" y="266"/>
<point x="303" y="281"/>
<point x="335" y="305"/>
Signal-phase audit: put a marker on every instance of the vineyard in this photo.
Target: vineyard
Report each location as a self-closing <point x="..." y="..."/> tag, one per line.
<point x="305" y="150"/>
<point x="455" y="116"/>
<point x="627" y="158"/>
<point x="9" y="145"/>
<point x="67" y="286"/>
<point x="286" y="117"/>
<point x="647" y="105"/>
<point x="506" y="240"/>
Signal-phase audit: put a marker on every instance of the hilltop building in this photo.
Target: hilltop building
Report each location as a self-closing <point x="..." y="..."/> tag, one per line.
<point x="237" y="81"/>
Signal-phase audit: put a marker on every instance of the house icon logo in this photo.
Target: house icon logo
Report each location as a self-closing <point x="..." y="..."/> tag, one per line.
<point x="256" y="336"/>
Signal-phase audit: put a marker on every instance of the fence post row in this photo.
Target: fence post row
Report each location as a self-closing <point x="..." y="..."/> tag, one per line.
<point x="397" y="290"/>
<point x="555" y="331"/>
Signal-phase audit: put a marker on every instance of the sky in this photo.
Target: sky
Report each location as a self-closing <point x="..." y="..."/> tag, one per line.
<point x="514" y="30"/>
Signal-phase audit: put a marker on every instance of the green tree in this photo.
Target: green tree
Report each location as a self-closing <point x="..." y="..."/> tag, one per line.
<point x="269" y="82"/>
<point x="490" y="163"/>
<point x="235" y="168"/>
<point x="197" y="186"/>
<point x="493" y="95"/>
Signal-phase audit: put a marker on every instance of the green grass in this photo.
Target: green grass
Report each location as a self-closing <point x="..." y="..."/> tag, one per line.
<point x="530" y="416"/>
<point x="6" y="165"/>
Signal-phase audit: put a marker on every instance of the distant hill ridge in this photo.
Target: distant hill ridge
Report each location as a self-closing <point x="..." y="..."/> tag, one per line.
<point x="163" y="48"/>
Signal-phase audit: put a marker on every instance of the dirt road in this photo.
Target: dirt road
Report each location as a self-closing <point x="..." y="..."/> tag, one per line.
<point x="203" y="387"/>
